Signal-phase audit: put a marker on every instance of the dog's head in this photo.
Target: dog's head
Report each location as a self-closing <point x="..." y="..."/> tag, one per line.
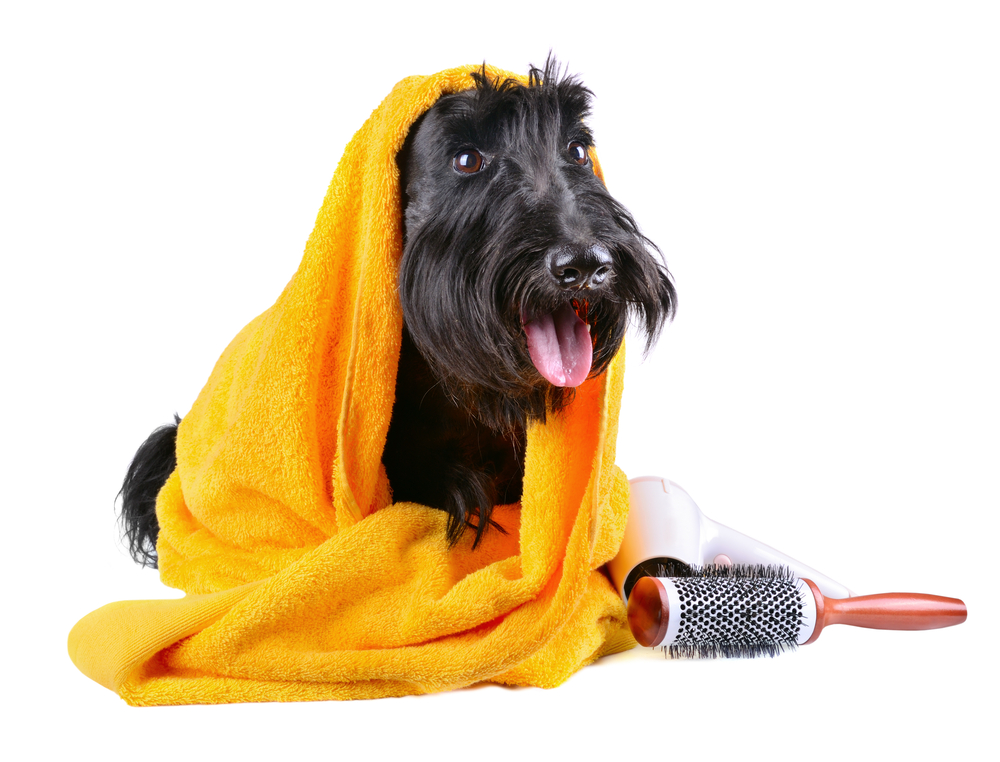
<point x="520" y="272"/>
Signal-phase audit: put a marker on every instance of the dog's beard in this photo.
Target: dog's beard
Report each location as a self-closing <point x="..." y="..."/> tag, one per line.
<point x="506" y="343"/>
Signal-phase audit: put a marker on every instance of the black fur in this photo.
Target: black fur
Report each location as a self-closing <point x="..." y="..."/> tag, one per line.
<point x="481" y="252"/>
<point x="531" y="231"/>
<point x="153" y="463"/>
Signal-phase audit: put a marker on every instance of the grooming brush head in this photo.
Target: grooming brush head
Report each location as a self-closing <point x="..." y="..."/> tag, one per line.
<point x="719" y="611"/>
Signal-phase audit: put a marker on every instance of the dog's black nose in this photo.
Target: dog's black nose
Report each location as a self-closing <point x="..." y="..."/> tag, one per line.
<point x="578" y="267"/>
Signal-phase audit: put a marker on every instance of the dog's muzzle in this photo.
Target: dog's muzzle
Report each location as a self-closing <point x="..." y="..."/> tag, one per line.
<point x="559" y="342"/>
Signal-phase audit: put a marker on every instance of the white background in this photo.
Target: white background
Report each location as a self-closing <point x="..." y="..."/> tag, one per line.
<point x="823" y="181"/>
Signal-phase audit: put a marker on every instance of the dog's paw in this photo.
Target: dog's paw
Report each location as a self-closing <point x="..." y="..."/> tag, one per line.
<point x="469" y="498"/>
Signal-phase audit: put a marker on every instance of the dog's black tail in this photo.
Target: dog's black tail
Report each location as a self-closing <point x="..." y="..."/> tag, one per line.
<point x="153" y="463"/>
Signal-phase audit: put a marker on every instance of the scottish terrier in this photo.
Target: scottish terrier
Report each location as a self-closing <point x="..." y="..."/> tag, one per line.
<point x="519" y="276"/>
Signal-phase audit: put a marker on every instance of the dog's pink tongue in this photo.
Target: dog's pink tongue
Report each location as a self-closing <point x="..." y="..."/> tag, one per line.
<point x="560" y="346"/>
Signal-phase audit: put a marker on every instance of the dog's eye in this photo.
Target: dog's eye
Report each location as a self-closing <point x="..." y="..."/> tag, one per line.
<point x="578" y="153"/>
<point x="468" y="162"/>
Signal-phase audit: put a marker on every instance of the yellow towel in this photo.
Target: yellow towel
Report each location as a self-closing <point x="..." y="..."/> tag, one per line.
<point x="303" y="580"/>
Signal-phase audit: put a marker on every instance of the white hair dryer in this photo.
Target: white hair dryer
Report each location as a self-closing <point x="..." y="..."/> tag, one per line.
<point x="665" y="525"/>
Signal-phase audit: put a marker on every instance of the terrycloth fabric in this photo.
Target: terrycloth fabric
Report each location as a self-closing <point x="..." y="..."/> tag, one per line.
<point x="303" y="580"/>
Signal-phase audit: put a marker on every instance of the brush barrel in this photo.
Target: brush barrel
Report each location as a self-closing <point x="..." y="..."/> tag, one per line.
<point x="721" y="616"/>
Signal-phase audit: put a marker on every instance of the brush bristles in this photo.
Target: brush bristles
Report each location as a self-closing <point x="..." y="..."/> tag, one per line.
<point x="718" y="571"/>
<point x="726" y="650"/>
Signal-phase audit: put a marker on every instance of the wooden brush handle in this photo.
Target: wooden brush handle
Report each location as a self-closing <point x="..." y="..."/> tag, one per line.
<point x="887" y="611"/>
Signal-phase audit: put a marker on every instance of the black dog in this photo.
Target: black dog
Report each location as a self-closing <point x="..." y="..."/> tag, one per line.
<point x="518" y="278"/>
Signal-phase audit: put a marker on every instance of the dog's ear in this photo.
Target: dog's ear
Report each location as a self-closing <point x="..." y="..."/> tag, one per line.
<point x="403" y="164"/>
<point x="409" y="170"/>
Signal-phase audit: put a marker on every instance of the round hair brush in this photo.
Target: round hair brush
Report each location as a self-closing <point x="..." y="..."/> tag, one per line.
<point x="763" y="610"/>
